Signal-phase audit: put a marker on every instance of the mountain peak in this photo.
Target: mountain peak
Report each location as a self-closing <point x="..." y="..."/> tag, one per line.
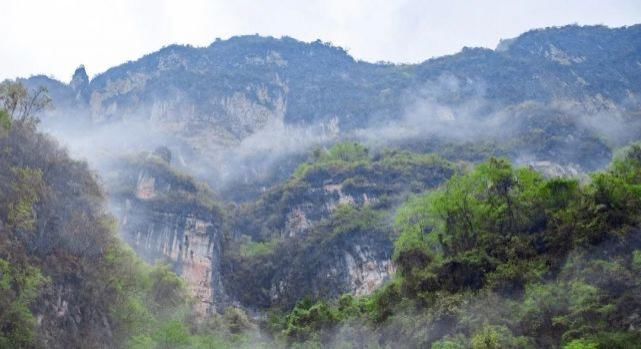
<point x="80" y="78"/>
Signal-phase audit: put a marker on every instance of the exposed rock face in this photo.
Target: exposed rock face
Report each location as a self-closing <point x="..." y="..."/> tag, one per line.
<point x="355" y="263"/>
<point x="319" y="203"/>
<point x="146" y="186"/>
<point x="215" y="97"/>
<point x="366" y="272"/>
<point x="189" y="243"/>
<point x="80" y="85"/>
<point x="162" y="220"/>
<point x="329" y="237"/>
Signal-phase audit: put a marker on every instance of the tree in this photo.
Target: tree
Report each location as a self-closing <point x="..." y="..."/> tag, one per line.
<point x="5" y="120"/>
<point x="21" y="104"/>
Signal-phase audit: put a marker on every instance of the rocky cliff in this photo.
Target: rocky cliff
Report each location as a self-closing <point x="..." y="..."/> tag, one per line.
<point x="252" y="94"/>
<point x="327" y="231"/>
<point x="242" y="114"/>
<point x="168" y="218"/>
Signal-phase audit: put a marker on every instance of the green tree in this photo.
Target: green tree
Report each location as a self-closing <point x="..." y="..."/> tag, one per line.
<point x="19" y="286"/>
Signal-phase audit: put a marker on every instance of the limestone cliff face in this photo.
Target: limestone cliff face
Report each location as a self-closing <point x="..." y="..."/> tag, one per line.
<point x="366" y="272"/>
<point x="356" y="263"/>
<point x="191" y="243"/>
<point x="324" y="229"/>
<point x="161" y="220"/>
<point x="321" y="202"/>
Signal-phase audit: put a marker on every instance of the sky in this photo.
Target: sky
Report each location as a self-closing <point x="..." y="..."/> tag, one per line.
<point x="54" y="37"/>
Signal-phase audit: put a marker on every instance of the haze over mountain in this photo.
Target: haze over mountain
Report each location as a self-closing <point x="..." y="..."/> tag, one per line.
<point x="238" y="106"/>
<point x="308" y="198"/>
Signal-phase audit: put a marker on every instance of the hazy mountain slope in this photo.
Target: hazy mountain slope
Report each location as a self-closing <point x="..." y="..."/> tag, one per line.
<point x="168" y="217"/>
<point x="257" y="92"/>
<point x="301" y="82"/>
<point x="66" y="280"/>
<point x="496" y="255"/>
<point x="326" y="231"/>
<point x="501" y="258"/>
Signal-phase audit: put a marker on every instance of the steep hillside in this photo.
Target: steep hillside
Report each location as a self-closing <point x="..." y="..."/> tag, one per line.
<point x="65" y="277"/>
<point x="352" y="204"/>
<point x="67" y="280"/>
<point x="327" y="231"/>
<point x="288" y="80"/>
<point x="502" y="258"/>
<point x="168" y="217"/>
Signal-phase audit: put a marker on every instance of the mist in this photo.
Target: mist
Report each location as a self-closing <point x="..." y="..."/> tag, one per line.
<point x="447" y="110"/>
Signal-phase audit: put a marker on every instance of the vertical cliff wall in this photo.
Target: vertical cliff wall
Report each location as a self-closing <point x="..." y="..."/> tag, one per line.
<point x="166" y="217"/>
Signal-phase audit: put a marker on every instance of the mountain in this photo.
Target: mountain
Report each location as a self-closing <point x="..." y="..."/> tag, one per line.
<point x="500" y="257"/>
<point x="240" y="84"/>
<point x="326" y="231"/>
<point x="235" y="106"/>
<point x="306" y="198"/>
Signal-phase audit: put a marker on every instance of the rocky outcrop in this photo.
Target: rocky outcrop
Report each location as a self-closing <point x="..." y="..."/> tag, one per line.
<point x="214" y="97"/>
<point x="321" y="234"/>
<point x="366" y="272"/>
<point x="356" y="263"/>
<point x="190" y="243"/>
<point x="164" y="218"/>
<point x="80" y="85"/>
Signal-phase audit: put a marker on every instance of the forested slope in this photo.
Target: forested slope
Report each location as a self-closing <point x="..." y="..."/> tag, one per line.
<point x="66" y="279"/>
<point x="502" y="258"/>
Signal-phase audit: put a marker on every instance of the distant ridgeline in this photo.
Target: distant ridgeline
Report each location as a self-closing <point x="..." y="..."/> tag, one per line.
<point x="568" y="94"/>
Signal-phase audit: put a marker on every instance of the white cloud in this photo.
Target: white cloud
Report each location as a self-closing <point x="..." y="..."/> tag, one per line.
<point x="53" y="37"/>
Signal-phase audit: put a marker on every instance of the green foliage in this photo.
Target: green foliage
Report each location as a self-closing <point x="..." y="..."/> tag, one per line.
<point x="17" y="208"/>
<point x="5" y="120"/>
<point x="497" y="337"/>
<point x="308" y="320"/>
<point x="348" y="152"/>
<point x="412" y="220"/>
<point x="581" y="344"/>
<point x="340" y="156"/>
<point x="22" y="104"/>
<point x="627" y="163"/>
<point x="253" y="249"/>
<point x="19" y="287"/>
<point x="348" y="219"/>
<point x="167" y="289"/>
<point x="172" y="334"/>
<point x="450" y="343"/>
<point x="636" y="260"/>
<point x="503" y="258"/>
<point x="490" y="203"/>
